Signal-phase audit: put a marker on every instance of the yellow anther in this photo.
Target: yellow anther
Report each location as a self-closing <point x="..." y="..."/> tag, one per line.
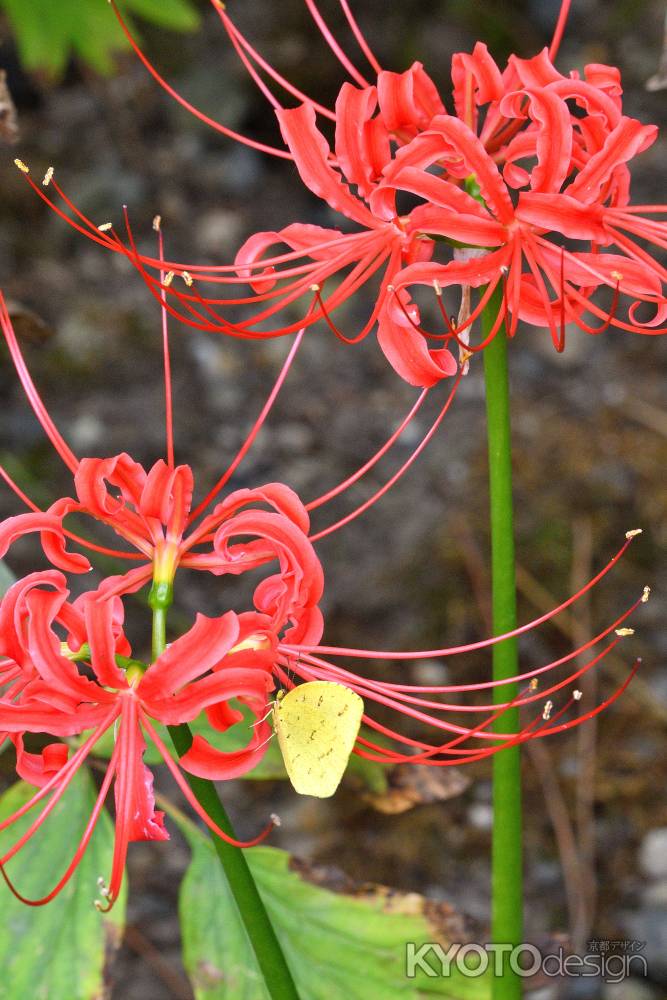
<point x="22" y="166"/>
<point x="48" y="177"/>
<point x="168" y="278"/>
<point x="621" y="632"/>
<point x="546" y="714"/>
<point x="157" y="221"/>
<point x="105" y="227"/>
<point x="533" y="684"/>
<point x="634" y="532"/>
<point x="646" y="594"/>
<point x="187" y="278"/>
<point x="437" y="288"/>
<point x="315" y="288"/>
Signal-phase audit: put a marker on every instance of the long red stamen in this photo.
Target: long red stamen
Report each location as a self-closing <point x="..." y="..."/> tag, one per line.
<point x="361" y="40"/>
<point x="325" y="669"/>
<point x="188" y="793"/>
<point x="240" y="43"/>
<point x="346" y="483"/>
<point x="102" y="549"/>
<point x="333" y="44"/>
<point x="69" y="767"/>
<point x="397" y="475"/>
<point x="40" y="411"/>
<point x="166" y="358"/>
<point x="257" y="426"/>
<point x="468" y="647"/>
<point x="230" y="133"/>
<point x="81" y="849"/>
<point x="559" y="29"/>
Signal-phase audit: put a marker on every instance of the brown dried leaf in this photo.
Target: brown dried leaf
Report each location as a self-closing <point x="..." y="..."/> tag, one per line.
<point x="410" y="785"/>
<point x="447" y="924"/>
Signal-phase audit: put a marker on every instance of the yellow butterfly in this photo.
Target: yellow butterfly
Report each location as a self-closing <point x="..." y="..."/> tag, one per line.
<point x="317" y="724"/>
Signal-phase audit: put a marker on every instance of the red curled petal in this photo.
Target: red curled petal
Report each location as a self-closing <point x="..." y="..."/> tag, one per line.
<point x="91" y="479"/>
<point x="38" y="768"/>
<point x="281" y="498"/>
<point x="469" y="229"/>
<point x="189" y="656"/>
<point x="553" y="138"/>
<point x="60" y="674"/>
<point x="594" y="100"/>
<point x="14" y="613"/>
<point x="299" y="583"/>
<point x="314" y="241"/>
<point x="476" y="79"/>
<point x="474" y="272"/>
<point x="247" y="683"/>
<point x="145" y="821"/>
<point x="167" y="496"/>
<point x="311" y="155"/>
<point x="406" y="349"/>
<point x="604" y="78"/>
<point x="563" y="214"/>
<point x="357" y="158"/>
<point x="206" y="761"/>
<point x="53" y="539"/>
<point x="99" y="618"/>
<point x="536" y="72"/>
<point x="623" y="142"/>
<point x="408" y="101"/>
<point x="451" y="143"/>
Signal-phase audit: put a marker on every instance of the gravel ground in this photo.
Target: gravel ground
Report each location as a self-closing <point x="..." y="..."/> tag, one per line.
<point x="590" y="434"/>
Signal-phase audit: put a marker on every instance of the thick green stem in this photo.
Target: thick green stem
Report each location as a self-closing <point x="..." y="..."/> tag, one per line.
<point x="507" y="873"/>
<point x="255" y="919"/>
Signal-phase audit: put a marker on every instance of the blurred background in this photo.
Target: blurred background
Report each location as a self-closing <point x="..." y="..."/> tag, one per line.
<point x="590" y="439"/>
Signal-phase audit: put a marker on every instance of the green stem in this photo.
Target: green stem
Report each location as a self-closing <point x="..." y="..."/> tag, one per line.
<point x="265" y="945"/>
<point x="507" y="873"/>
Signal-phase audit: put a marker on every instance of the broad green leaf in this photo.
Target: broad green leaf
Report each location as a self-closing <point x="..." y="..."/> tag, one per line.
<point x="179" y="15"/>
<point x="47" y="34"/>
<point x="7" y="578"/>
<point x="57" y="951"/>
<point x="338" y="947"/>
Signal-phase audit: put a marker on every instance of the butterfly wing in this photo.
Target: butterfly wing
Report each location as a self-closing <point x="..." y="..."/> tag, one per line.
<point x="317" y="724"/>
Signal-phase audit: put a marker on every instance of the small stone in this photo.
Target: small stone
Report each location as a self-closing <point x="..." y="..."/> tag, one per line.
<point x="653" y="853"/>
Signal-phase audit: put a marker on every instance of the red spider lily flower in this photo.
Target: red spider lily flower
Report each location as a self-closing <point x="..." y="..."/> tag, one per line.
<point x="466" y="743"/>
<point x="84" y="685"/>
<point x="390" y="138"/>
<point x="151" y="514"/>
<point x="545" y="283"/>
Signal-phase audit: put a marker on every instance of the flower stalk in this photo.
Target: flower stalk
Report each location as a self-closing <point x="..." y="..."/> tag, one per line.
<point x="262" y="937"/>
<point x="507" y="874"/>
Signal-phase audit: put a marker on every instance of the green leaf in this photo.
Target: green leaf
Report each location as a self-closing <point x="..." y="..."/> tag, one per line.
<point x="338" y="947"/>
<point x="179" y="15"/>
<point x="57" y="951"/>
<point x="48" y="34"/>
<point x="7" y="578"/>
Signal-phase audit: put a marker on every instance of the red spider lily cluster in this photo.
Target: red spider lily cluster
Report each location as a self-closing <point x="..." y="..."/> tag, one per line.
<point x="67" y="669"/>
<point x="524" y="188"/>
<point x="528" y="160"/>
